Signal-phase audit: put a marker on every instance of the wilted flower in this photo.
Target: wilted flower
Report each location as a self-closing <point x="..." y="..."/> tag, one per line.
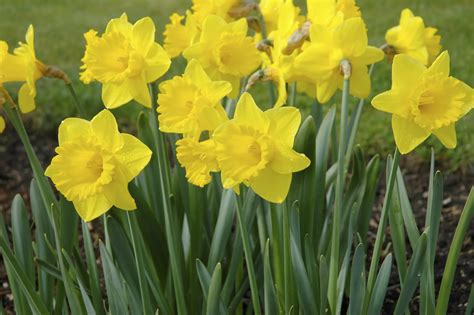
<point x="255" y="148"/>
<point x="180" y="36"/>
<point x="95" y="163"/>
<point x="22" y="66"/>
<point x="225" y="51"/>
<point x="124" y="59"/>
<point x="329" y="47"/>
<point x="411" y="37"/>
<point x="198" y="158"/>
<point x="424" y="101"/>
<point x="190" y="103"/>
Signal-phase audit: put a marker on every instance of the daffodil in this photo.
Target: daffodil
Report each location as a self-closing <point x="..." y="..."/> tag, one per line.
<point x="180" y="36"/>
<point x="256" y="148"/>
<point x="95" y="163"/>
<point x="2" y="120"/>
<point x="411" y="37"/>
<point x="278" y="66"/>
<point x="198" y="158"/>
<point x="124" y="59"/>
<point x="204" y="8"/>
<point x="323" y="12"/>
<point x="225" y="51"/>
<point x="22" y="66"/>
<point x="190" y="103"/>
<point x="271" y="11"/>
<point x="321" y="60"/>
<point x="424" y="101"/>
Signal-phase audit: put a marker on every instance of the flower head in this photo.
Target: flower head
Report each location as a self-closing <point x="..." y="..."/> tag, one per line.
<point x="325" y="12"/>
<point x="225" y="51"/>
<point x="198" y="158"/>
<point x="124" y="59"/>
<point x="321" y="60"/>
<point x="22" y="66"/>
<point x="95" y="163"/>
<point x="411" y="37"/>
<point x="424" y="101"/>
<point x="255" y="148"/>
<point x="180" y="36"/>
<point x="204" y="8"/>
<point x="190" y="103"/>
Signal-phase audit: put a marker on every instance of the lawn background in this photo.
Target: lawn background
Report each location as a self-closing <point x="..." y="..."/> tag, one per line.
<point x="60" y="25"/>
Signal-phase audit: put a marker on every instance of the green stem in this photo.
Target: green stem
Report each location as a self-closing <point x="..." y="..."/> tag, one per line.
<point x="248" y="259"/>
<point x="341" y="171"/>
<point x="292" y="94"/>
<point x="382" y="224"/>
<point x="453" y="255"/>
<point x="170" y="227"/>
<point x="286" y="257"/>
<point x="80" y="109"/>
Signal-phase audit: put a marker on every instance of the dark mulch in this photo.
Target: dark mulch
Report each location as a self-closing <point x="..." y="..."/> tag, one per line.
<point x="15" y="176"/>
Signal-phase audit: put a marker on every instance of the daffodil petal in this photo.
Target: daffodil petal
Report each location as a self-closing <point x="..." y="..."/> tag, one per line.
<point x="117" y="193"/>
<point x="287" y="161"/>
<point x="196" y="73"/>
<point x="133" y="156"/>
<point x="271" y="185"/>
<point x="359" y="85"/>
<point x="2" y="124"/>
<point x="326" y="89"/>
<point x="392" y="101"/>
<point x="371" y="55"/>
<point x="285" y="122"/>
<point x="26" y="99"/>
<point x="447" y="136"/>
<point x="92" y="207"/>
<point x="440" y="65"/>
<point x="249" y="113"/>
<point x="105" y="127"/>
<point x="352" y="36"/>
<point x="143" y="34"/>
<point x="406" y="73"/>
<point x="139" y="90"/>
<point x="157" y="61"/>
<point x="115" y="94"/>
<point x="72" y="128"/>
<point x="408" y="135"/>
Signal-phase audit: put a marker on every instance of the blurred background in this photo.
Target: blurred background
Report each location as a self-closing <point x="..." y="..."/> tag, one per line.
<point x="60" y="25"/>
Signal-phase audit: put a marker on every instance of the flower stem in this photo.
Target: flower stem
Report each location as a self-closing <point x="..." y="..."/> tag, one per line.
<point x="382" y="224"/>
<point x="170" y="226"/>
<point x="341" y="171"/>
<point x="248" y="259"/>
<point x="80" y="109"/>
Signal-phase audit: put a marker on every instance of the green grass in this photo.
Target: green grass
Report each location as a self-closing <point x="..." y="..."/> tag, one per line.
<point x="60" y="24"/>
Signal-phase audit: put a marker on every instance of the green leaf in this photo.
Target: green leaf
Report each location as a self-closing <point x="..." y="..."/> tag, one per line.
<point x="357" y="285"/>
<point x="397" y="232"/>
<point x="470" y="302"/>
<point x="114" y="283"/>
<point x="407" y="211"/>
<point x="223" y="228"/>
<point x="213" y="298"/>
<point x="305" y="292"/>
<point x="413" y="276"/>
<point x="271" y="304"/>
<point x="21" y="237"/>
<point x="453" y="255"/>
<point x="323" y="283"/>
<point x="15" y="271"/>
<point x="380" y="287"/>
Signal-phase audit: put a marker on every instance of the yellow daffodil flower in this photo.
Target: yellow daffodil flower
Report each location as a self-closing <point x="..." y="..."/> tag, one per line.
<point x="22" y="66"/>
<point x="203" y="8"/>
<point x="95" y="163"/>
<point x="180" y="36"/>
<point x="329" y="46"/>
<point x="2" y="124"/>
<point x="256" y="148"/>
<point x="411" y="37"/>
<point x="323" y="12"/>
<point x="424" y="101"/>
<point x="190" y="103"/>
<point x="198" y="158"/>
<point x="124" y="59"/>
<point x="225" y="51"/>
<point x="279" y="68"/>
<point x="272" y="10"/>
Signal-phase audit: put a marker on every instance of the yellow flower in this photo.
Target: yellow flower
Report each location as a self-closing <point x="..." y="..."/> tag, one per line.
<point x="179" y="36"/>
<point x="279" y="68"/>
<point x="190" y="103"/>
<point x="323" y="12"/>
<point x="198" y="158"/>
<point x="411" y="37"/>
<point x="22" y="66"/>
<point x="255" y="148"/>
<point x="2" y="124"/>
<point x="124" y="59"/>
<point x="329" y="46"/>
<point x="225" y="51"/>
<point x="272" y="10"/>
<point x="424" y="101"/>
<point x="95" y="163"/>
<point x="203" y="8"/>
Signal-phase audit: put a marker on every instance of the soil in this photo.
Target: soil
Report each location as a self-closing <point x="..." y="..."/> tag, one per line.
<point x="15" y="176"/>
